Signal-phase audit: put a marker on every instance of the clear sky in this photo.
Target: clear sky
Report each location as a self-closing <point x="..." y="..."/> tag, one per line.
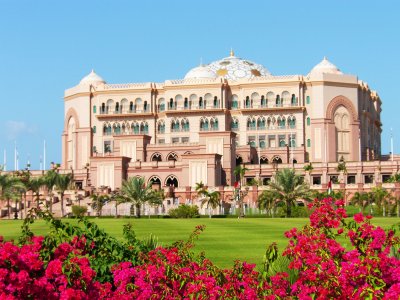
<point x="48" y="46"/>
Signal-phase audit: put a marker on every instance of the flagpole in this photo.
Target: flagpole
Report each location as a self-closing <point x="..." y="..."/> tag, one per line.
<point x="391" y="142"/>
<point x="15" y="155"/>
<point x="5" y="161"/>
<point x="44" y="155"/>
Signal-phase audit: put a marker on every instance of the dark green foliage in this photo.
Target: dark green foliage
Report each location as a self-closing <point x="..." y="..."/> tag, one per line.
<point x="184" y="211"/>
<point x="103" y="250"/>
<point x="79" y="211"/>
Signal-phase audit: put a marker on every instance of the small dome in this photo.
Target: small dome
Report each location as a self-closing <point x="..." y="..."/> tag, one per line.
<point x="92" y="77"/>
<point x="201" y="71"/>
<point x="325" y="66"/>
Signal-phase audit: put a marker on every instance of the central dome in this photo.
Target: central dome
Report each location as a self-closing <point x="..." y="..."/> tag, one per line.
<point x="231" y="68"/>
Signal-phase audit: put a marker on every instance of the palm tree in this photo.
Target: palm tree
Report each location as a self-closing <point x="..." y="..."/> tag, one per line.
<point x="267" y="201"/>
<point x="50" y="180"/>
<point x="98" y="201"/>
<point x="212" y="199"/>
<point x="24" y="176"/>
<point x="8" y="186"/>
<point x="360" y="200"/>
<point x="288" y="187"/>
<point x="137" y="192"/>
<point x="119" y="198"/>
<point x="381" y="196"/>
<point x="239" y="172"/>
<point x="200" y="187"/>
<point x="63" y="183"/>
<point x="34" y="185"/>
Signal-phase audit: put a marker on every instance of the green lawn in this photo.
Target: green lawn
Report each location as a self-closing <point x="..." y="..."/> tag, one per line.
<point x="223" y="241"/>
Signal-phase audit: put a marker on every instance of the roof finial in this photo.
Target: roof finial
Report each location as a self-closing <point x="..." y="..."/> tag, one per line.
<point x="201" y="61"/>
<point x="325" y="58"/>
<point x="231" y="54"/>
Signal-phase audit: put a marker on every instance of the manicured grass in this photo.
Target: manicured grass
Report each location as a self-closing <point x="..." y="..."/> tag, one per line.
<point x="223" y="241"/>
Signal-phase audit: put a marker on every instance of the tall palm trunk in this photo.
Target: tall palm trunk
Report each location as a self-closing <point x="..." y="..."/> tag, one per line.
<point x="288" y="209"/>
<point x="51" y="202"/>
<point x="62" y="204"/>
<point x="8" y="207"/>
<point x="24" y="204"/>
<point x="138" y="210"/>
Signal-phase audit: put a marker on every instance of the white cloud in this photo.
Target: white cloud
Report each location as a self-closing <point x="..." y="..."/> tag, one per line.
<point x="15" y="129"/>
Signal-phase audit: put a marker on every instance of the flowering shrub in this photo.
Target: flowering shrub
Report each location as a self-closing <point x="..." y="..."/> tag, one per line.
<point x="85" y="263"/>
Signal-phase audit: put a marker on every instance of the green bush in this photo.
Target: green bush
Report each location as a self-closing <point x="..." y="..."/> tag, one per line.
<point x="300" y="212"/>
<point x="184" y="211"/>
<point x="79" y="211"/>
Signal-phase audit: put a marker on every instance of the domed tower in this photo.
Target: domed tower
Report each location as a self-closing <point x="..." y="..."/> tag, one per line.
<point x="77" y="135"/>
<point x="333" y="106"/>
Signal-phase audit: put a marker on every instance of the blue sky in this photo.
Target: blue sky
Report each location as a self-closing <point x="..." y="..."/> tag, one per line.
<point x="48" y="46"/>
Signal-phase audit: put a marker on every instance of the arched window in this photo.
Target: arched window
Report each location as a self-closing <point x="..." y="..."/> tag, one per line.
<point x="277" y="160"/>
<point x="117" y="129"/>
<point x="207" y="99"/>
<point x="235" y="124"/>
<point x="341" y="119"/>
<point x="103" y="108"/>
<point x="171" y="104"/>
<point x="239" y="160"/>
<point x="174" y="125"/>
<point x="138" y="104"/>
<point x="285" y="98"/>
<point x="235" y="102"/>
<point x="308" y="121"/>
<point x="214" y="124"/>
<point x="262" y="144"/>
<point x="278" y="102"/>
<point x="156" y="157"/>
<point x="282" y="142"/>
<point x="144" y="128"/>
<point x="247" y="102"/>
<point x="215" y="103"/>
<point x="201" y="103"/>
<point x="185" y="125"/>
<point x="254" y="98"/>
<point x="292" y="122"/>
<point x="178" y="101"/>
<point x="117" y="107"/>
<point x="292" y="141"/>
<point x="161" y="127"/>
<point x="94" y="109"/>
<point x="281" y="123"/>
<point x="171" y="181"/>
<point x="263" y="101"/>
<point x="270" y="98"/>
<point x="161" y="104"/>
<point x="186" y="104"/>
<point x="263" y="160"/>
<point x="261" y="123"/>
<point x="293" y="101"/>
<point x="94" y="129"/>
<point x="308" y="143"/>
<point x="155" y="181"/>
<point x="251" y="124"/>
<point x="131" y="107"/>
<point x="308" y="100"/>
<point x="204" y="124"/>
<point x="123" y="106"/>
<point x="110" y="104"/>
<point x="172" y="156"/>
<point x="135" y="128"/>
<point x="145" y="106"/>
